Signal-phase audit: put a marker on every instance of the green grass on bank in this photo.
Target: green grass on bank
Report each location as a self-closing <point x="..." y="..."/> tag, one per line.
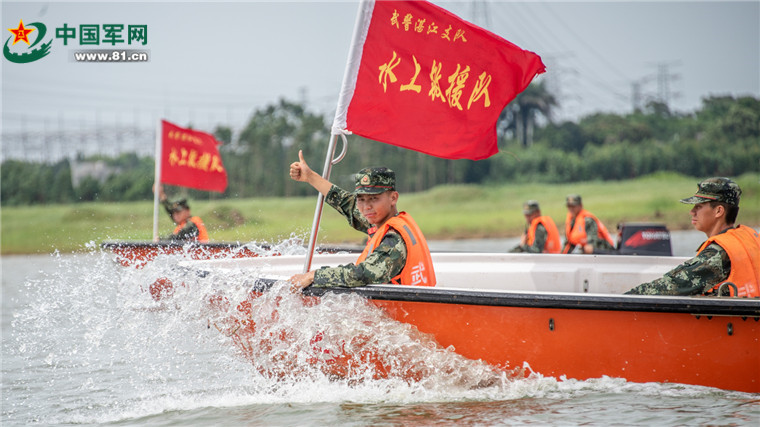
<point x="445" y="212"/>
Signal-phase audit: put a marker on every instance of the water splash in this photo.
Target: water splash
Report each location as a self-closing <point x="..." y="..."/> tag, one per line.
<point x="90" y="344"/>
<point x="342" y="337"/>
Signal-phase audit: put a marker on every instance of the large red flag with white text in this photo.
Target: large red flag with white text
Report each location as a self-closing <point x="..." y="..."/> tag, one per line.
<point x="190" y="158"/>
<point x="421" y="78"/>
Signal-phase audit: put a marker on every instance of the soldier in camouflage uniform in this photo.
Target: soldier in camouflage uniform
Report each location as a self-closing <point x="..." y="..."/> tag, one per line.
<point x="596" y="238"/>
<point x="192" y="228"/>
<point x="716" y="205"/>
<point x="540" y="234"/>
<point x="372" y="204"/>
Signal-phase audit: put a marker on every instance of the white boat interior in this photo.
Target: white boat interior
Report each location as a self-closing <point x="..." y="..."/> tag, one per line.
<point x="605" y="274"/>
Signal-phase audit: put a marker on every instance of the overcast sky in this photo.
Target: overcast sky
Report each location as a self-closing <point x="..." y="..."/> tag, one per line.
<point x="215" y="63"/>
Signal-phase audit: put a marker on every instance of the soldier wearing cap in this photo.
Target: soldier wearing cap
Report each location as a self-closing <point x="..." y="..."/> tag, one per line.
<point x="188" y="227"/>
<point x="728" y="263"/>
<point x="396" y="251"/>
<point x="541" y="235"/>
<point x="584" y="229"/>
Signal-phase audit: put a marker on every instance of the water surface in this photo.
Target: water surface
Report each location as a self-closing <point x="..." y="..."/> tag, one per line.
<point x="84" y="342"/>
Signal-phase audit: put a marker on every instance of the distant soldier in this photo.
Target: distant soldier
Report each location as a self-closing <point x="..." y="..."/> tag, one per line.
<point x="542" y="235"/>
<point x="189" y="227"/>
<point x="584" y="229"/>
<point x="396" y="251"/>
<point x="728" y="262"/>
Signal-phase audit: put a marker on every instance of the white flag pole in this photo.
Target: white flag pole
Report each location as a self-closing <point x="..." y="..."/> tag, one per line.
<point x="320" y="199"/>
<point x="361" y="27"/>
<point x="157" y="180"/>
<point x="363" y="18"/>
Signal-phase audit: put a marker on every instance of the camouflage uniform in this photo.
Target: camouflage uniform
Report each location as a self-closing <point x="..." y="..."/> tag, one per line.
<point x="592" y="237"/>
<point x="388" y="259"/>
<point x="700" y="274"/>
<point x="540" y="235"/>
<point x="694" y="277"/>
<point x="599" y="244"/>
<point x="189" y="231"/>
<point x="538" y="244"/>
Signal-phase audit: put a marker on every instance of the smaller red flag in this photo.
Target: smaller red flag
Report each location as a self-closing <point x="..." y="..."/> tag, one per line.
<point x="190" y="158"/>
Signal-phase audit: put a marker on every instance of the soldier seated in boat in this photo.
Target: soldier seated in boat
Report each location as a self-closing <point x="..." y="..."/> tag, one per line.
<point x="542" y="235"/>
<point x="584" y="229"/>
<point x="189" y="227"/>
<point x="728" y="263"/>
<point x="396" y="250"/>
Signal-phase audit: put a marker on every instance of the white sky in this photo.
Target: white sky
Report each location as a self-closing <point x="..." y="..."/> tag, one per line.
<point x="215" y="63"/>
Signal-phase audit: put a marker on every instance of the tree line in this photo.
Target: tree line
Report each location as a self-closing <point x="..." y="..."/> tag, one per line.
<point x="721" y="138"/>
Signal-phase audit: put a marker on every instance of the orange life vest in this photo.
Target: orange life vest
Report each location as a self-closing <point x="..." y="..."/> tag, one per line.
<point x="577" y="234"/>
<point x="202" y="233"/>
<point x="552" y="245"/>
<point x="742" y="244"/>
<point x="418" y="269"/>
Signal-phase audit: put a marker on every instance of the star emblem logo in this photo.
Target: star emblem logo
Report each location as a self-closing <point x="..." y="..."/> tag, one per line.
<point x="33" y="50"/>
<point x="364" y="180"/>
<point x="20" y="33"/>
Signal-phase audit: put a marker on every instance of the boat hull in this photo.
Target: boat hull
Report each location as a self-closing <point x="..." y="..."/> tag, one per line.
<point x="565" y="316"/>
<point x="716" y="351"/>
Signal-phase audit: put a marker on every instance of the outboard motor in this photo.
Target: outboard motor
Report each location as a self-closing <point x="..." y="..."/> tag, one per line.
<point x="644" y="239"/>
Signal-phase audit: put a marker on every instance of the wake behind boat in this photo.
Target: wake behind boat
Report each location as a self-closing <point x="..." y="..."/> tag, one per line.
<point x="559" y="316"/>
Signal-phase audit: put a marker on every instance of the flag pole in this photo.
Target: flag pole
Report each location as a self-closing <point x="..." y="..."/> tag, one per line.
<point x="320" y="200"/>
<point x="363" y="17"/>
<point x="157" y="180"/>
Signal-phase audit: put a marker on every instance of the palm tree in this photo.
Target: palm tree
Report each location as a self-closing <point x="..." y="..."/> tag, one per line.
<point x="521" y="113"/>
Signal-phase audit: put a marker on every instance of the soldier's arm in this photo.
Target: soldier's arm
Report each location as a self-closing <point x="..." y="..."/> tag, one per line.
<point x="300" y="171"/>
<point x="345" y="203"/>
<point x="167" y="205"/>
<point x="592" y="232"/>
<point x="520" y="246"/>
<point x="188" y="232"/>
<point x="566" y="246"/>
<point x="539" y="241"/>
<point x="694" y="277"/>
<point x="385" y="263"/>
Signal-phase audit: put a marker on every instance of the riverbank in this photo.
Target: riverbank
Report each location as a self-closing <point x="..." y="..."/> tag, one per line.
<point x="444" y="213"/>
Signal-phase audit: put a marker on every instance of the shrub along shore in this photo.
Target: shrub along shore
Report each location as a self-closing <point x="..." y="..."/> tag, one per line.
<point x="444" y="212"/>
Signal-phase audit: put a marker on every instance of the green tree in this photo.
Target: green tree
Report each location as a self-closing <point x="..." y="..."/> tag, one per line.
<point x="533" y="101"/>
<point x="61" y="189"/>
<point x="257" y="164"/>
<point x="87" y="190"/>
<point x="608" y="128"/>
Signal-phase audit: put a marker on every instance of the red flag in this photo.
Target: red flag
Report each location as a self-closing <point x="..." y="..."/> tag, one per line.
<point x="191" y="159"/>
<point x="430" y="81"/>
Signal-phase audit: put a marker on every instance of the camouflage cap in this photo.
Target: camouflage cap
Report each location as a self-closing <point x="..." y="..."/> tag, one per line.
<point x="375" y="180"/>
<point x="531" y="206"/>
<point x="177" y="206"/>
<point x="718" y="189"/>
<point x="573" y="200"/>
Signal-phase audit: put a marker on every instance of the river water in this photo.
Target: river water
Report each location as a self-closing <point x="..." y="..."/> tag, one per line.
<point x="84" y="342"/>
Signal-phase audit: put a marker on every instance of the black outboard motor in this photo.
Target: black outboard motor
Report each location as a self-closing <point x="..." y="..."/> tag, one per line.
<point x="644" y="239"/>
